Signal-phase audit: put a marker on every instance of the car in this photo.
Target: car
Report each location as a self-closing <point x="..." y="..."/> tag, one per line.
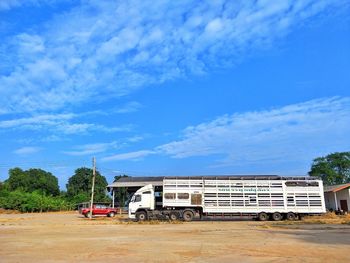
<point x="100" y="210"/>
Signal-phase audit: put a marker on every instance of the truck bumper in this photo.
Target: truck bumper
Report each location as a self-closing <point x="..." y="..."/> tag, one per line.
<point x="131" y="215"/>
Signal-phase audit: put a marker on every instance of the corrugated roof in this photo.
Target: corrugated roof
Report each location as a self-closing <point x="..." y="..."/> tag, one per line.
<point x="158" y="180"/>
<point x="140" y="179"/>
<point x="336" y="188"/>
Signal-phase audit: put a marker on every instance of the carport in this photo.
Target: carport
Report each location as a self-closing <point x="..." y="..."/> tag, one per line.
<point x="132" y="184"/>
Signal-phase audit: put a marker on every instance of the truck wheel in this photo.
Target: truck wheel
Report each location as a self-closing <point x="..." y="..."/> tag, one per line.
<point x="263" y="216"/>
<point x="141" y="216"/>
<point x="111" y="214"/>
<point x="276" y="216"/>
<point x="290" y="216"/>
<point x="88" y="215"/>
<point x="187" y="216"/>
<point x="174" y="216"/>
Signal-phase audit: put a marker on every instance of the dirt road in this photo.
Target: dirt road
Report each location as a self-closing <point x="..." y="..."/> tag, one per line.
<point x="68" y="237"/>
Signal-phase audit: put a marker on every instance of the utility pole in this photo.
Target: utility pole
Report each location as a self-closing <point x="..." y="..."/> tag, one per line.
<point x="93" y="184"/>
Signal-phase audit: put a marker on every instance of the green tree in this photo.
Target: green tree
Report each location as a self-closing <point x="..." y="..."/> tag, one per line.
<point x="18" y="180"/>
<point x="32" y="202"/>
<point x="121" y="194"/>
<point x="79" y="186"/>
<point x="42" y="180"/>
<point x="333" y="168"/>
<point x="33" y="180"/>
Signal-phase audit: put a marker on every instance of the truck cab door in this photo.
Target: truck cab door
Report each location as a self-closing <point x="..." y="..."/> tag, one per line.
<point x="148" y="199"/>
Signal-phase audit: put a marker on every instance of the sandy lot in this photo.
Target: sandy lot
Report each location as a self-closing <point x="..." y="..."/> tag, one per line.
<point x="62" y="237"/>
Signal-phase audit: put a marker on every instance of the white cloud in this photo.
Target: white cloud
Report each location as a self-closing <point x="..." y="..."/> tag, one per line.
<point x="289" y="133"/>
<point x="27" y="150"/>
<point x="8" y="4"/>
<point x="89" y="149"/>
<point x="294" y="133"/>
<point x="59" y="123"/>
<point x="132" y="106"/>
<point x="136" y="138"/>
<point x="102" y="49"/>
<point x="129" y="156"/>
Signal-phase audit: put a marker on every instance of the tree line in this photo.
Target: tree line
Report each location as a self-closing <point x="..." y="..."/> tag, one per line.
<point x="36" y="190"/>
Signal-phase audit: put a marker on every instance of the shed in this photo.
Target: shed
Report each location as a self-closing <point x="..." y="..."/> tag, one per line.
<point x="337" y="197"/>
<point x="132" y="184"/>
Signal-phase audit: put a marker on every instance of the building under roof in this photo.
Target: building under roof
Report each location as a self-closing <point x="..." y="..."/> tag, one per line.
<point x="337" y="197"/>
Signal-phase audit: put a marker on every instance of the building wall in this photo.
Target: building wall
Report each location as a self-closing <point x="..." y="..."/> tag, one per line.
<point x="341" y="195"/>
<point x="329" y="200"/>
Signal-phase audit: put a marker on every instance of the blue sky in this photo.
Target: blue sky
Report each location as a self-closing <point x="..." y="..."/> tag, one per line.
<point x="173" y="87"/>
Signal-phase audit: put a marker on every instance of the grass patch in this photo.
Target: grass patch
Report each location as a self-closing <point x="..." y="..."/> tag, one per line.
<point x="328" y="218"/>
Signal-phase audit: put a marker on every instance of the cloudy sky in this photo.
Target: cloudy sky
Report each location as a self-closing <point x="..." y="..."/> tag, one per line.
<point x="173" y="87"/>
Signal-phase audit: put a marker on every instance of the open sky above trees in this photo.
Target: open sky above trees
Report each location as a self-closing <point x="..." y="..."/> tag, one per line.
<point x="170" y="88"/>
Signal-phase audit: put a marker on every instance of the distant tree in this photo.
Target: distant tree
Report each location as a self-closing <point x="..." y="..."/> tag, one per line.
<point x="79" y="186"/>
<point x="333" y="168"/>
<point x="121" y="193"/>
<point x="33" y="180"/>
<point x="42" y="180"/>
<point x="18" y="180"/>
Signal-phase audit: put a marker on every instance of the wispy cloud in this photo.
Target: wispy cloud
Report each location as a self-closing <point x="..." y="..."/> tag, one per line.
<point x="59" y="123"/>
<point x="87" y="53"/>
<point x="132" y="106"/>
<point x="298" y="132"/>
<point x="89" y="149"/>
<point x="27" y="150"/>
<point x="129" y="156"/>
<point x="6" y="5"/>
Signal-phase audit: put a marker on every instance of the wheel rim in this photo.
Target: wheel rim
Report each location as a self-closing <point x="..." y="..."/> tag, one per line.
<point x="142" y="216"/>
<point x="263" y="217"/>
<point x="277" y="217"/>
<point x="291" y="216"/>
<point x="173" y="217"/>
<point x="187" y="216"/>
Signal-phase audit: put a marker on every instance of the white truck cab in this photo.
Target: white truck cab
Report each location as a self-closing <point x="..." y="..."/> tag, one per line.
<point x="143" y="199"/>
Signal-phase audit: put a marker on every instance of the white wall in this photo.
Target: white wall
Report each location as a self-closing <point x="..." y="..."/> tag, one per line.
<point x="341" y="195"/>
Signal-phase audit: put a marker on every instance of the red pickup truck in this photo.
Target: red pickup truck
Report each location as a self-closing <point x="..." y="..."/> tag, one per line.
<point x="100" y="210"/>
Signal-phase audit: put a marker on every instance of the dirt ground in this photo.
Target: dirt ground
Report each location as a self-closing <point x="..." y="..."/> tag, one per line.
<point x="68" y="237"/>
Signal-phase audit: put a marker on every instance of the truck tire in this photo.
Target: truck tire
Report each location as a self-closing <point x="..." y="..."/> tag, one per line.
<point x="111" y="214"/>
<point x="187" y="215"/>
<point x="276" y="216"/>
<point x="88" y="215"/>
<point x="174" y="216"/>
<point x="290" y="216"/>
<point x="141" y="216"/>
<point x="263" y="216"/>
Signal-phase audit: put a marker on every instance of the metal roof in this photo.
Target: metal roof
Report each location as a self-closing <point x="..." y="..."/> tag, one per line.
<point x="158" y="180"/>
<point x="136" y="182"/>
<point x="336" y="188"/>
